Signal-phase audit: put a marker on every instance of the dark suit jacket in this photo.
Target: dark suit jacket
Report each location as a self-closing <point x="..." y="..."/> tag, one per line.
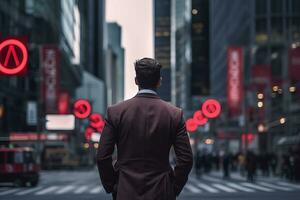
<point x="143" y="129"/>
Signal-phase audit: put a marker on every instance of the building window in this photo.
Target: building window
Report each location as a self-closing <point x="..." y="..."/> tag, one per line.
<point x="276" y="6"/>
<point x="261" y="7"/>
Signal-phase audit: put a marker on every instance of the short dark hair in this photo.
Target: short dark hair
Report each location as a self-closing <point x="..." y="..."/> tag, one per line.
<point x="147" y="72"/>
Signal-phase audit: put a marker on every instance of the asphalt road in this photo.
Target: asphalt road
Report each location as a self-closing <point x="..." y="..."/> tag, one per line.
<point x="82" y="185"/>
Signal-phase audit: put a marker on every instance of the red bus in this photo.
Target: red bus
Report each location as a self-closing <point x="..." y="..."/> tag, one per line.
<point x="19" y="166"/>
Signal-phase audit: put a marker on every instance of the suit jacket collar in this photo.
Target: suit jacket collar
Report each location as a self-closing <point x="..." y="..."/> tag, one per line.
<point x="147" y="95"/>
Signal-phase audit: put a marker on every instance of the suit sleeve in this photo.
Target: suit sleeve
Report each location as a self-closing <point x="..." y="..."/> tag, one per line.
<point x="184" y="156"/>
<point x="107" y="143"/>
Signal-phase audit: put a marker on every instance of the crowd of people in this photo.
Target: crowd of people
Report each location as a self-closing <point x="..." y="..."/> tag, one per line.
<point x="250" y="164"/>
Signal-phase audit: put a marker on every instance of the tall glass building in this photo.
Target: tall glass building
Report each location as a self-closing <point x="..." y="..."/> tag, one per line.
<point x="181" y="52"/>
<point x="162" y="44"/>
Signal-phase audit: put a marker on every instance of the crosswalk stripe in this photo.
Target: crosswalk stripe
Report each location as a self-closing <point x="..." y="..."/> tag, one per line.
<point x="27" y="191"/>
<point x="65" y="189"/>
<point x="46" y="190"/>
<point x="224" y="188"/>
<point x="289" y="184"/>
<point x="257" y="187"/>
<point x="203" y="186"/>
<point x="237" y="177"/>
<point x="236" y="186"/>
<point x="207" y="188"/>
<point x="9" y="191"/>
<point x="81" y="189"/>
<point x="275" y="186"/>
<point x="208" y="178"/>
<point x="192" y="188"/>
<point x="96" y="190"/>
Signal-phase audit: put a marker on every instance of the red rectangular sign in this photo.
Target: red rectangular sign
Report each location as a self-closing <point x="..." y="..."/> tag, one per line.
<point x="50" y="63"/>
<point x="235" y="67"/>
<point x="294" y="64"/>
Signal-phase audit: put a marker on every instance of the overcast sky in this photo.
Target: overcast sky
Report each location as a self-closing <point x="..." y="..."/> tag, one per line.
<point x="135" y="17"/>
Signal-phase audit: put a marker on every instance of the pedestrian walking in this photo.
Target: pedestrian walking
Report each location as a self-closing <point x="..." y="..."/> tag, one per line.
<point x="250" y="165"/>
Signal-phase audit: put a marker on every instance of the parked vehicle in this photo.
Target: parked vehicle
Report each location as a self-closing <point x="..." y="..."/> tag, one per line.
<point x="19" y="166"/>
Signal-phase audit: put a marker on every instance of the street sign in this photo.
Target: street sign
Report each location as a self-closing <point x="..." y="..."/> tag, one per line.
<point x="82" y="108"/>
<point x="50" y="61"/>
<point x="60" y="122"/>
<point x="13" y="57"/>
<point x="211" y="108"/>
<point x="191" y="125"/>
<point x="96" y="120"/>
<point x="199" y="118"/>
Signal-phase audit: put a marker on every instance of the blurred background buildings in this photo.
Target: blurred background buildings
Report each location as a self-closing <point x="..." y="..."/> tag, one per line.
<point x="194" y="40"/>
<point x="201" y="35"/>
<point x="78" y="33"/>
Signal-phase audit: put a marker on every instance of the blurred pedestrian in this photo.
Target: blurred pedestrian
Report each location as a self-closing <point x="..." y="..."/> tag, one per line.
<point x="144" y="128"/>
<point x="250" y="165"/>
<point x="241" y="163"/>
<point x="226" y="165"/>
<point x="198" y="164"/>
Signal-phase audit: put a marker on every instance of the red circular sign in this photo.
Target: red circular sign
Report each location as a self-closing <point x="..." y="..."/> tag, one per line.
<point x="88" y="133"/>
<point x="96" y="120"/>
<point x="82" y="108"/>
<point x="199" y="118"/>
<point x="12" y="70"/>
<point x="211" y="108"/>
<point x="101" y="127"/>
<point x="191" y="125"/>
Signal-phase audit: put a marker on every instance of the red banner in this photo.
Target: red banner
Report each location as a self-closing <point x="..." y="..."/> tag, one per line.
<point x="50" y="63"/>
<point x="294" y="64"/>
<point x="63" y="103"/>
<point x="235" y="79"/>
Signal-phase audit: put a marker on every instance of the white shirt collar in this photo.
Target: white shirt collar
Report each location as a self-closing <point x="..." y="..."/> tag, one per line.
<point x="147" y="91"/>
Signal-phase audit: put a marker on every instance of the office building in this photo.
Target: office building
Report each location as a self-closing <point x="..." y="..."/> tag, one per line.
<point x="115" y="65"/>
<point x="162" y="44"/>
<point x="180" y="53"/>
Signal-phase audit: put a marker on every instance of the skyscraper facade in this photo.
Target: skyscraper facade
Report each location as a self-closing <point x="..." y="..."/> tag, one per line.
<point x="162" y="44"/>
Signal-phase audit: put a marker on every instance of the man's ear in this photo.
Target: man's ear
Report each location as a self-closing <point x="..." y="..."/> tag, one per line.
<point x="159" y="83"/>
<point x="136" y="81"/>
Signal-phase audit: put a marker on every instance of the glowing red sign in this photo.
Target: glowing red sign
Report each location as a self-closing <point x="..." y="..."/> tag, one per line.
<point x="191" y="125"/>
<point x="211" y="108"/>
<point x="199" y="118"/>
<point x="88" y="133"/>
<point x="96" y="120"/>
<point x="234" y="79"/>
<point x="82" y="108"/>
<point x="14" y="48"/>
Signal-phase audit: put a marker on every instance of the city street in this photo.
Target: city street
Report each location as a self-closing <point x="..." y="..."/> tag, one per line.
<point x="85" y="184"/>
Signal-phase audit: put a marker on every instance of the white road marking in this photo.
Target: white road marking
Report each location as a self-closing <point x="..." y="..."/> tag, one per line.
<point x="46" y="190"/>
<point x="192" y="188"/>
<point x="251" y="185"/>
<point x="224" y="188"/>
<point x="275" y="186"/>
<point x="203" y="186"/>
<point x="237" y="177"/>
<point x="81" y="189"/>
<point x="27" y="191"/>
<point x="208" y="178"/>
<point x="65" y="189"/>
<point x="96" y="190"/>
<point x="9" y="191"/>
<point x="236" y="186"/>
<point x="207" y="188"/>
<point x="289" y="184"/>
